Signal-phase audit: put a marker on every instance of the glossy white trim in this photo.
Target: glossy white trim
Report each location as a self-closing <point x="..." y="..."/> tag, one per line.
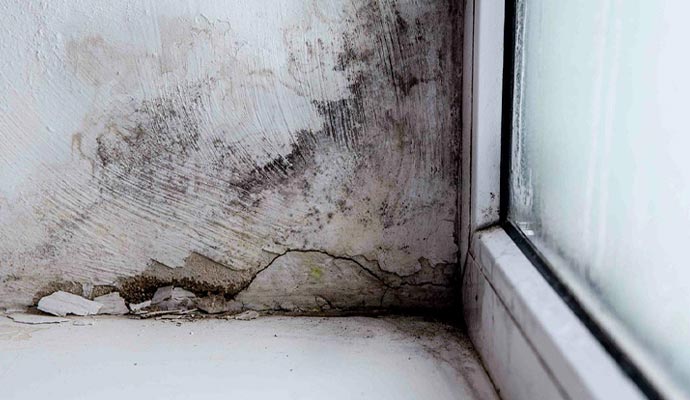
<point x="569" y="354"/>
<point x="532" y="344"/>
<point x="481" y="124"/>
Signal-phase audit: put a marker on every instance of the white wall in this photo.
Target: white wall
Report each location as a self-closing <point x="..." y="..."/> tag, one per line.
<point x="136" y="134"/>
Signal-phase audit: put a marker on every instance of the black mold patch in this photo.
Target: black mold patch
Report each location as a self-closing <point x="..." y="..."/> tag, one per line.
<point x="159" y="130"/>
<point x="144" y="154"/>
<point x="164" y="146"/>
<point x="395" y="65"/>
<point x="400" y="23"/>
<point x="343" y="120"/>
<point x="280" y="168"/>
<point x="349" y="56"/>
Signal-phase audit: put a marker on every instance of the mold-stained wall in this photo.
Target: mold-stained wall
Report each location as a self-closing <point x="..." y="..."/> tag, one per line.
<point x="296" y="155"/>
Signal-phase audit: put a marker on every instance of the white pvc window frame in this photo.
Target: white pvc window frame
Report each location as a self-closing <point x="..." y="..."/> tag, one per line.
<point x="532" y="343"/>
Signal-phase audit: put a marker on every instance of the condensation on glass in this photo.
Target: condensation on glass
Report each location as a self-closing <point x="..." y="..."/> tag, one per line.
<point x="600" y="174"/>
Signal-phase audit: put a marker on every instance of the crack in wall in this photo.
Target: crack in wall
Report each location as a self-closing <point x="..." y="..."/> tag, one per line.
<point x="352" y="273"/>
<point x="403" y="279"/>
<point x="296" y="279"/>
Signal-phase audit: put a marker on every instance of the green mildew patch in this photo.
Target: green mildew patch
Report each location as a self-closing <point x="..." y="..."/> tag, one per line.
<point x="316" y="273"/>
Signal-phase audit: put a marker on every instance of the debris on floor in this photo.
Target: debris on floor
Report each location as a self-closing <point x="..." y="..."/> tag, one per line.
<point x="171" y="316"/>
<point x="87" y="289"/>
<point x="234" y="307"/>
<point x="170" y="298"/>
<point x="247" y="315"/>
<point x="151" y="314"/>
<point x="62" y="303"/>
<point x="84" y="322"/>
<point x="113" y="304"/>
<point x="162" y="293"/>
<point x="214" y="304"/>
<point x="36" y="319"/>
<point x="139" y="307"/>
<point x="168" y="303"/>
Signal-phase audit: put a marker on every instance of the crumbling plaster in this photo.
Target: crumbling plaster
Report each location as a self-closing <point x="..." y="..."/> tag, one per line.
<point x="297" y="155"/>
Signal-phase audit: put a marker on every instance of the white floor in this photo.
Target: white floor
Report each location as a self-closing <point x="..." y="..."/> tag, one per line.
<point x="266" y="358"/>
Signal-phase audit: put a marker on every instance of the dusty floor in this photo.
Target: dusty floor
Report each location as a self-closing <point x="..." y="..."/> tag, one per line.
<point x="267" y="358"/>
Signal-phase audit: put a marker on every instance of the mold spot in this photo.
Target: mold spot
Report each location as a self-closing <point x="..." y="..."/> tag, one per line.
<point x="162" y="130"/>
<point x="400" y="22"/>
<point x="316" y="273"/>
<point x="280" y="168"/>
<point x="343" y="120"/>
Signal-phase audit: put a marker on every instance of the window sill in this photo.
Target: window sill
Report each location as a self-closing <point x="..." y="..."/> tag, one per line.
<point x="532" y="344"/>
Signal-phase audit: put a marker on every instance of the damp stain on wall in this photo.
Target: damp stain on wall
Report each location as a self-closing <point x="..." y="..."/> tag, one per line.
<point x="286" y="156"/>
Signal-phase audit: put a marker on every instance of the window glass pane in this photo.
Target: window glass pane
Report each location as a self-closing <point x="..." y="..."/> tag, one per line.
<point x="600" y="174"/>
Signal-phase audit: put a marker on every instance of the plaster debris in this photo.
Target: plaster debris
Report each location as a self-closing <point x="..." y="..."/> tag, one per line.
<point x="171" y="316"/>
<point x="113" y="304"/>
<point x="165" y="312"/>
<point x="63" y="303"/>
<point x="215" y="304"/>
<point x="161" y="294"/>
<point x="14" y="310"/>
<point x="36" y="319"/>
<point x="234" y="307"/>
<point x="170" y="298"/>
<point x="84" y="322"/>
<point x="139" y="306"/>
<point x="247" y="315"/>
<point x="87" y="288"/>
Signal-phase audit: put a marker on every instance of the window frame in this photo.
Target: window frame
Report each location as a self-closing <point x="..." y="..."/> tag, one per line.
<point x="486" y="255"/>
